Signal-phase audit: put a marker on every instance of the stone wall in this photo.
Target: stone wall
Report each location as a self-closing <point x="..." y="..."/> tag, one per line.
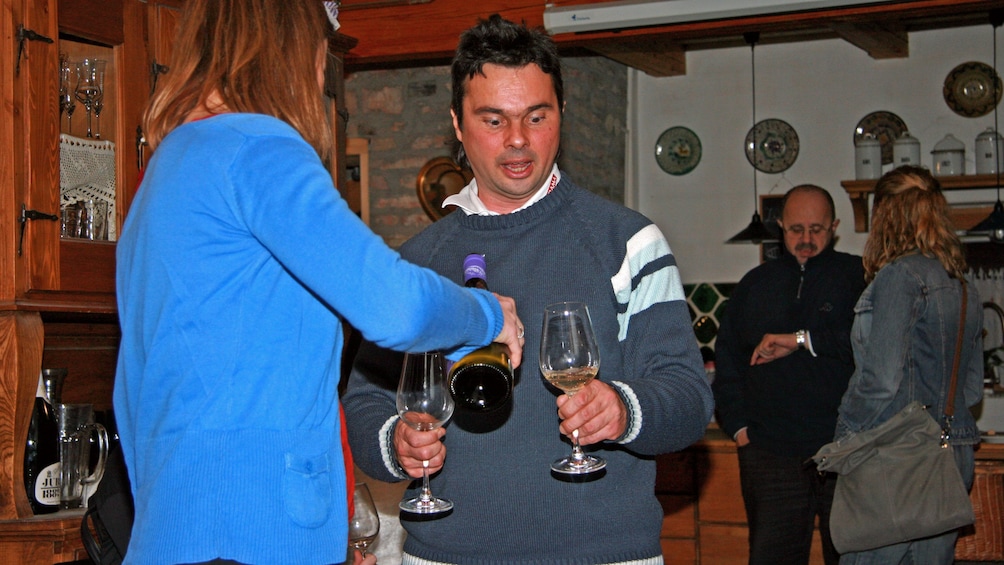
<point x="405" y="115"/>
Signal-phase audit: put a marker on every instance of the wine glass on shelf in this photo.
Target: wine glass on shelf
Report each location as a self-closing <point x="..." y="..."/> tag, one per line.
<point x="365" y="522"/>
<point x="99" y="95"/>
<point x="67" y="85"/>
<point x="424" y="403"/>
<point x="570" y="358"/>
<point x="87" y="89"/>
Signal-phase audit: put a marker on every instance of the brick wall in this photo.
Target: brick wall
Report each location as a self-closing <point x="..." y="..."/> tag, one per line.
<point x="405" y="114"/>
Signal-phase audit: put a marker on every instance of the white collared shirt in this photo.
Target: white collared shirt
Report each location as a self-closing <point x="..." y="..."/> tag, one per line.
<point x="469" y="201"/>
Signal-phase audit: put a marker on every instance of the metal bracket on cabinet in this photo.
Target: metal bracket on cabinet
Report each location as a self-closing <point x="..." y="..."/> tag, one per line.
<point x="31" y="215"/>
<point x="25" y="34"/>
<point x="140" y="147"/>
<point x="156" y="69"/>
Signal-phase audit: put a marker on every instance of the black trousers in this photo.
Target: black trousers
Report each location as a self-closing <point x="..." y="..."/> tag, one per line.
<point x="783" y="496"/>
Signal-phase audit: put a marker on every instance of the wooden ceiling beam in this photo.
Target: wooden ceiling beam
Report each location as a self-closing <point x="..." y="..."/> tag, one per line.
<point x="876" y="39"/>
<point x="657" y="57"/>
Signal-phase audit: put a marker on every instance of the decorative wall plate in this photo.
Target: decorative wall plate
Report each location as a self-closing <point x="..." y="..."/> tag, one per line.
<point x="885" y="126"/>
<point x="678" y="150"/>
<point x="969" y="89"/>
<point x="440" y="178"/>
<point x="772" y="145"/>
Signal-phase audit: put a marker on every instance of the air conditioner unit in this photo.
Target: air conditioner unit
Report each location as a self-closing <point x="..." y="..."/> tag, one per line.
<point x="634" y="13"/>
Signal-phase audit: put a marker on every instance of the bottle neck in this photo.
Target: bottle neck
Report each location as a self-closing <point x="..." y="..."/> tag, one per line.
<point x="40" y="391"/>
<point x="476" y="282"/>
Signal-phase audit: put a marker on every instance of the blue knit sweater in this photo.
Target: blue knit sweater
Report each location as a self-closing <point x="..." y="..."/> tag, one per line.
<point x="571" y="245"/>
<point x="235" y="263"/>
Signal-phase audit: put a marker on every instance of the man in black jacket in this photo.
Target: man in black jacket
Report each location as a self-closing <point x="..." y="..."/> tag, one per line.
<point x="783" y="360"/>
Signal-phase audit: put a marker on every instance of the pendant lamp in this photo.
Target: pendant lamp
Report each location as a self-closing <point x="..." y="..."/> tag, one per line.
<point x="756" y="232"/>
<point x="993" y="225"/>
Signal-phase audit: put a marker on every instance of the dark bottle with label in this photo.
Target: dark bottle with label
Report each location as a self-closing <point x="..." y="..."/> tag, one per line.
<point x="481" y="381"/>
<point x="41" y="456"/>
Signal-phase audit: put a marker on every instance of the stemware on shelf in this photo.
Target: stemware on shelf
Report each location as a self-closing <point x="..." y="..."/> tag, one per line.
<point x="424" y="403"/>
<point x="365" y="522"/>
<point x="569" y="359"/>
<point x="99" y="95"/>
<point x="68" y="71"/>
<point x="91" y="72"/>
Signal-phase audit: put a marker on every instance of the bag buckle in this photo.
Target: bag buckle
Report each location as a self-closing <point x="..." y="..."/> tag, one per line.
<point x="946" y="431"/>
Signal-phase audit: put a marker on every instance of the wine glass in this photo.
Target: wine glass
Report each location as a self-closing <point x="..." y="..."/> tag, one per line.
<point x="365" y="522"/>
<point x="99" y="95"/>
<point x="87" y="86"/>
<point x="424" y="403"/>
<point x="67" y="84"/>
<point x="570" y="358"/>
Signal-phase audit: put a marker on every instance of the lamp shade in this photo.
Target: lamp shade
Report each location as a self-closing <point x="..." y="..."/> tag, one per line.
<point x="756" y="232"/>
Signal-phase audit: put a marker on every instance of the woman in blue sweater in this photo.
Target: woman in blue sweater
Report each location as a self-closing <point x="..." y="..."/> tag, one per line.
<point x="236" y="266"/>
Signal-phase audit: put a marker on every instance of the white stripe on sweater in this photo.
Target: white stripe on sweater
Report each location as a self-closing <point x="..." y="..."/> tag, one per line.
<point x="664" y="285"/>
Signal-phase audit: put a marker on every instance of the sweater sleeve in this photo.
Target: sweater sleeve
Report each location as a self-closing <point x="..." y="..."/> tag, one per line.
<point x="285" y="196"/>
<point x="664" y="384"/>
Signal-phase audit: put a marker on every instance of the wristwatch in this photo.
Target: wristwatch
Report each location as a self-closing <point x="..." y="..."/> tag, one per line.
<point x="801" y="337"/>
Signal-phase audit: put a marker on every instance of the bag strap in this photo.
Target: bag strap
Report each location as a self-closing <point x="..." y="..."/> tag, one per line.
<point x="946" y="426"/>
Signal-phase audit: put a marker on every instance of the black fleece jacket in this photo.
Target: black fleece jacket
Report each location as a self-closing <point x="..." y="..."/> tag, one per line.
<point x="789" y="405"/>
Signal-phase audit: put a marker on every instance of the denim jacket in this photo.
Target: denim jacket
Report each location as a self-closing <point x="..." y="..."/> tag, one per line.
<point x="905" y="328"/>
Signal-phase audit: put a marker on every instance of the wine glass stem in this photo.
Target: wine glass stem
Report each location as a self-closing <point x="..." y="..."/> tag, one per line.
<point x="577" y="454"/>
<point x="426" y="491"/>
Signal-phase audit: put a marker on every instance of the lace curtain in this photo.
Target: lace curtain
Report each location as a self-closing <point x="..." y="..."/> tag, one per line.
<point x="87" y="172"/>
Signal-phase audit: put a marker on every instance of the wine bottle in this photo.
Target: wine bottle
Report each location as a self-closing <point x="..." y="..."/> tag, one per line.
<point x="41" y="456"/>
<point x="482" y="380"/>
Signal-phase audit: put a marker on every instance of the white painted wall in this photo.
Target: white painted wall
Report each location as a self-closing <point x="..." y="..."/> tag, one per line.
<point x="822" y="88"/>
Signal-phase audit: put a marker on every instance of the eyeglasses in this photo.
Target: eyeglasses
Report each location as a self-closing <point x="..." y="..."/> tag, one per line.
<point x="814" y="230"/>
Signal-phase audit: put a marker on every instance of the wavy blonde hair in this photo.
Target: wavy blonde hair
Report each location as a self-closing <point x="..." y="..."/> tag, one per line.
<point x="911" y="215"/>
<point x="258" y="56"/>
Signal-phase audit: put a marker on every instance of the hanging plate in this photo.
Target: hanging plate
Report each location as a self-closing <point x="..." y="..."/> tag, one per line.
<point x="969" y="89"/>
<point x="678" y="150"/>
<point x="885" y="126"/>
<point x="772" y="146"/>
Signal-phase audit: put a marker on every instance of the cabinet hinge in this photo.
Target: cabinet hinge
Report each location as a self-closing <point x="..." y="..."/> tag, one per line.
<point x="25" y="34"/>
<point x="31" y="215"/>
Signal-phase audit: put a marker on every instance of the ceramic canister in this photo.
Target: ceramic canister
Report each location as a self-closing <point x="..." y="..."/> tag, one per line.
<point x="906" y="150"/>
<point x="989" y="152"/>
<point x="948" y="157"/>
<point x="867" y="158"/>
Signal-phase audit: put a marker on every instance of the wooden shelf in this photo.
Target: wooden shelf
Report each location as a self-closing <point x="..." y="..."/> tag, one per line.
<point x="964" y="216"/>
<point x="53" y="538"/>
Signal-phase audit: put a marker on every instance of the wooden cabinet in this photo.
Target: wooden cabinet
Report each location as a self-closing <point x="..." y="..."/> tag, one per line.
<point x="705" y="522"/>
<point x="57" y="299"/>
<point x="57" y="302"/>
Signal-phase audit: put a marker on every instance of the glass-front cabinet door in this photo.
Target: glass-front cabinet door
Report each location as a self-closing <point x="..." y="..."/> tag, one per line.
<point x="85" y="71"/>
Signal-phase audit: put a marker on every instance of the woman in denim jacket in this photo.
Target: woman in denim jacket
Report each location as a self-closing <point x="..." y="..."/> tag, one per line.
<point x="904" y="335"/>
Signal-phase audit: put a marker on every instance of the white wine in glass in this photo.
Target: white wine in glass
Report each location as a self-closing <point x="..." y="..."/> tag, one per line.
<point x="365" y="523"/>
<point x="570" y="358"/>
<point x="424" y="403"/>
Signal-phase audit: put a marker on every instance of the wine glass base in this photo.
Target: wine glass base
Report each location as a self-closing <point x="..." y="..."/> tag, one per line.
<point x="584" y="466"/>
<point x="431" y="506"/>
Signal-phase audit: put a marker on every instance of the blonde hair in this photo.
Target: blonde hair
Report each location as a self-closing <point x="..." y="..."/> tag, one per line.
<point x="911" y="215"/>
<point x="258" y="56"/>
